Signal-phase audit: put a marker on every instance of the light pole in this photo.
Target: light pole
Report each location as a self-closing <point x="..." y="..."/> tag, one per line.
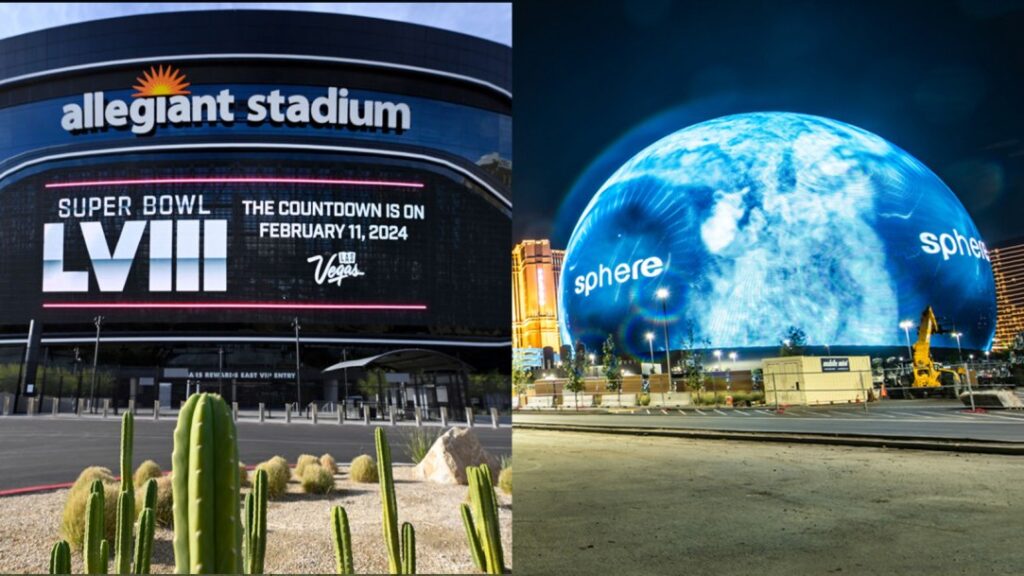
<point x="732" y="358"/>
<point x="906" y="325"/>
<point x="591" y="356"/>
<point x="298" y="372"/>
<point x="95" y="360"/>
<point x="718" y="368"/>
<point x="959" y="353"/>
<point x="662" y="294"/>
<point x="650" y="344"/>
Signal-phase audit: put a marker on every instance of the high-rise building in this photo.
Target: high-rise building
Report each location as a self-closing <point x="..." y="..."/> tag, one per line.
<point x="1008" y="268"/>
<point x="536" y="268"/>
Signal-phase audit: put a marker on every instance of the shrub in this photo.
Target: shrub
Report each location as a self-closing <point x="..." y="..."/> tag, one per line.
<point x="145" y="471"/>
<point x="419" y="441"/>
<point x="505" y="480"/>
<point x="316" y="479"/>
<point x="278" y="474"/>
<point x="327" y="461"/>
<point x="303" y="461"/>
<point x="644" y="399"/>
<point x="72" y="525"/>
<point x="363" y="469"/>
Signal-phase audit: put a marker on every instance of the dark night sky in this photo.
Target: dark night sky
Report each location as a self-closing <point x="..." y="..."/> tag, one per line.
<point x="943" y="80"/>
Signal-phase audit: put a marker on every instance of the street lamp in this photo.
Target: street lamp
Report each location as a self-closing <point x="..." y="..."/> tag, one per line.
<point x="298" y="372"/>
<point x="650" y="344"/>
<point x="959" y="353"/>
<point x="718" y="360"/>
<point x="728" y="375"/>
<point x="718" y="368"/>
<point x="95" y="360"/>
<point x="662" y="294"/>
<point x="907" y="325"/>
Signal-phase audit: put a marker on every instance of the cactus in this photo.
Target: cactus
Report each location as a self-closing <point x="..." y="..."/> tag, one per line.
<point x="104" y="557"/>
<point x="144" y="539"/>
<point x="408" y="548"/>
<point x="60" y="558"/>
<point x="91" y="549"/>
<point x="207" y="526"/>
<point x="389" y="505"/>
<point x="126" y="501"/>
<point x="342" y="541"/>
<point x="149" y="500"/>
<point x="481" y="522"/>
<point x="256" y="524"/>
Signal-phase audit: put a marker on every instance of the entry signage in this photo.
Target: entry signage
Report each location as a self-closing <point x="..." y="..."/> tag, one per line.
<point x="835" y="364"/>
<point x="240" y="375"/>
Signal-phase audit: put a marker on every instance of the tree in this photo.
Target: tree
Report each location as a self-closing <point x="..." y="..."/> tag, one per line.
<point x="793" y="343"/>
<point x="576" y="371"/>
<point x="612" y="367"/>
<point x="521" y="377"/>
<point x="692" y="359"/>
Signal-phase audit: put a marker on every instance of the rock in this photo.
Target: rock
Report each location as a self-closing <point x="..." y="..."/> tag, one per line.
<point x="451" y="453"/>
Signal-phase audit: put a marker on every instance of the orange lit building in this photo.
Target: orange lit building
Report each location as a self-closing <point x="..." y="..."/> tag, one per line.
<point x="536" y="268"/>
<point x="1008" y="268"/>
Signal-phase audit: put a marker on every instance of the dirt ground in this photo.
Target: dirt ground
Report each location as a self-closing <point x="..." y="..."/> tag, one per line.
<point x="592" y="503"/>
<point x="298" y="529"/>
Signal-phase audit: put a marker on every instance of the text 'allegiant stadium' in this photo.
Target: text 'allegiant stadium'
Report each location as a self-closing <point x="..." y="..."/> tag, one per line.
<point x="144" y="115"/>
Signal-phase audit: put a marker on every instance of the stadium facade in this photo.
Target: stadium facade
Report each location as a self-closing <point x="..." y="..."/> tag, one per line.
<point x="208" y="194"/>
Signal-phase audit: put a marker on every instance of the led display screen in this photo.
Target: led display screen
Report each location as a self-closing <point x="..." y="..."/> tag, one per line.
<point x="254" y="237"/>
<point x="753" y="223"/>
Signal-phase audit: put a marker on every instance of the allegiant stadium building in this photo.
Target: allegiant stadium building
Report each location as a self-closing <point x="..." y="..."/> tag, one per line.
<point x="238" y="200"/>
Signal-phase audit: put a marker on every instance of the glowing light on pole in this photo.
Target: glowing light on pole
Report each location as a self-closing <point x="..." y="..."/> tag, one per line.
<point x="959" y="353"/>
<point x="650" y="344"/>
<point x="662" y="295"/>
<point x="906" y="325"/>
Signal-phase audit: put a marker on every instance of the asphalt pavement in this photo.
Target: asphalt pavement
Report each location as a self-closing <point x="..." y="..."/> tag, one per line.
<point x="41" y="449"/>
<point x="932" y="419"/>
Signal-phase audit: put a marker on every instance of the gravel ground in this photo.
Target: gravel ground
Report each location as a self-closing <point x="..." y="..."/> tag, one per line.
<point x="298" y="529"/>
<point x="643" y="505"/>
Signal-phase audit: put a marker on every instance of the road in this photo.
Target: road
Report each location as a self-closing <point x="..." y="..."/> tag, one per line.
<point x="912" y="418"/>
<point x="614" y="504"/>
<point x="44" y="450"/>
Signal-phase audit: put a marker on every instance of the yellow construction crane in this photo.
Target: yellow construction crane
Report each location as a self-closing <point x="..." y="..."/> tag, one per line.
<point x="927" y="376"/>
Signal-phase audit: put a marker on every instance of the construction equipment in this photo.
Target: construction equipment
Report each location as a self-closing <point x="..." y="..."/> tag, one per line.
<point x="928" y="378"/>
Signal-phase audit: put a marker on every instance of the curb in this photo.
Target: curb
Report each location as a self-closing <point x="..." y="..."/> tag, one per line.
<point x="907" y="443"/>
<point x="34" y="489"/>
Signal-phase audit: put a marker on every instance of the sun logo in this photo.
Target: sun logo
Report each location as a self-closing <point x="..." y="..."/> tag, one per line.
<point x="161" y="82"/>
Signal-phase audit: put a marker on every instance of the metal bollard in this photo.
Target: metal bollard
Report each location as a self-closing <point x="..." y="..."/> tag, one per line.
<point x="494" y="417"/>
<point x="288" y="412"/>
<point x="234" y="411"/>
<point x="341" y="415"/>
<point x="156" y="409"/>
<point x="313" y="406"/>
<point x="30" y="407"/>
<point x="419" y="417"/>
<point x="106" y="406"/>
<point x="131" y="406"/>
<point x="261" y="412"/>
<point x="56" y="406"/>
<point x="366" y="415"/>
<point x="391" y="415"/>
<point x="79" y="406"/>
<point x="469" y="417"/>
<point x="444" y="416"/>
<point x="7" y="405"/>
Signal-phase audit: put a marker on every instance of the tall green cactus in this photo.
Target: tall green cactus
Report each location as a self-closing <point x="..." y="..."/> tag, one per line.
<point x="149" y="499"/>
<point x="144" y="541"/>
<point x="60" y="558"/>
<point x="126" y="501"/>
<point x="256" y="524"/>
<point x="205" y="484"/>
<point x="93" y="539"/>
<point x="408" y="548"/>
<point x="104" y="557"/>
<point x="483" y="529"/>
<point x="342" y="541"/>
<point x="389" y="506"/>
